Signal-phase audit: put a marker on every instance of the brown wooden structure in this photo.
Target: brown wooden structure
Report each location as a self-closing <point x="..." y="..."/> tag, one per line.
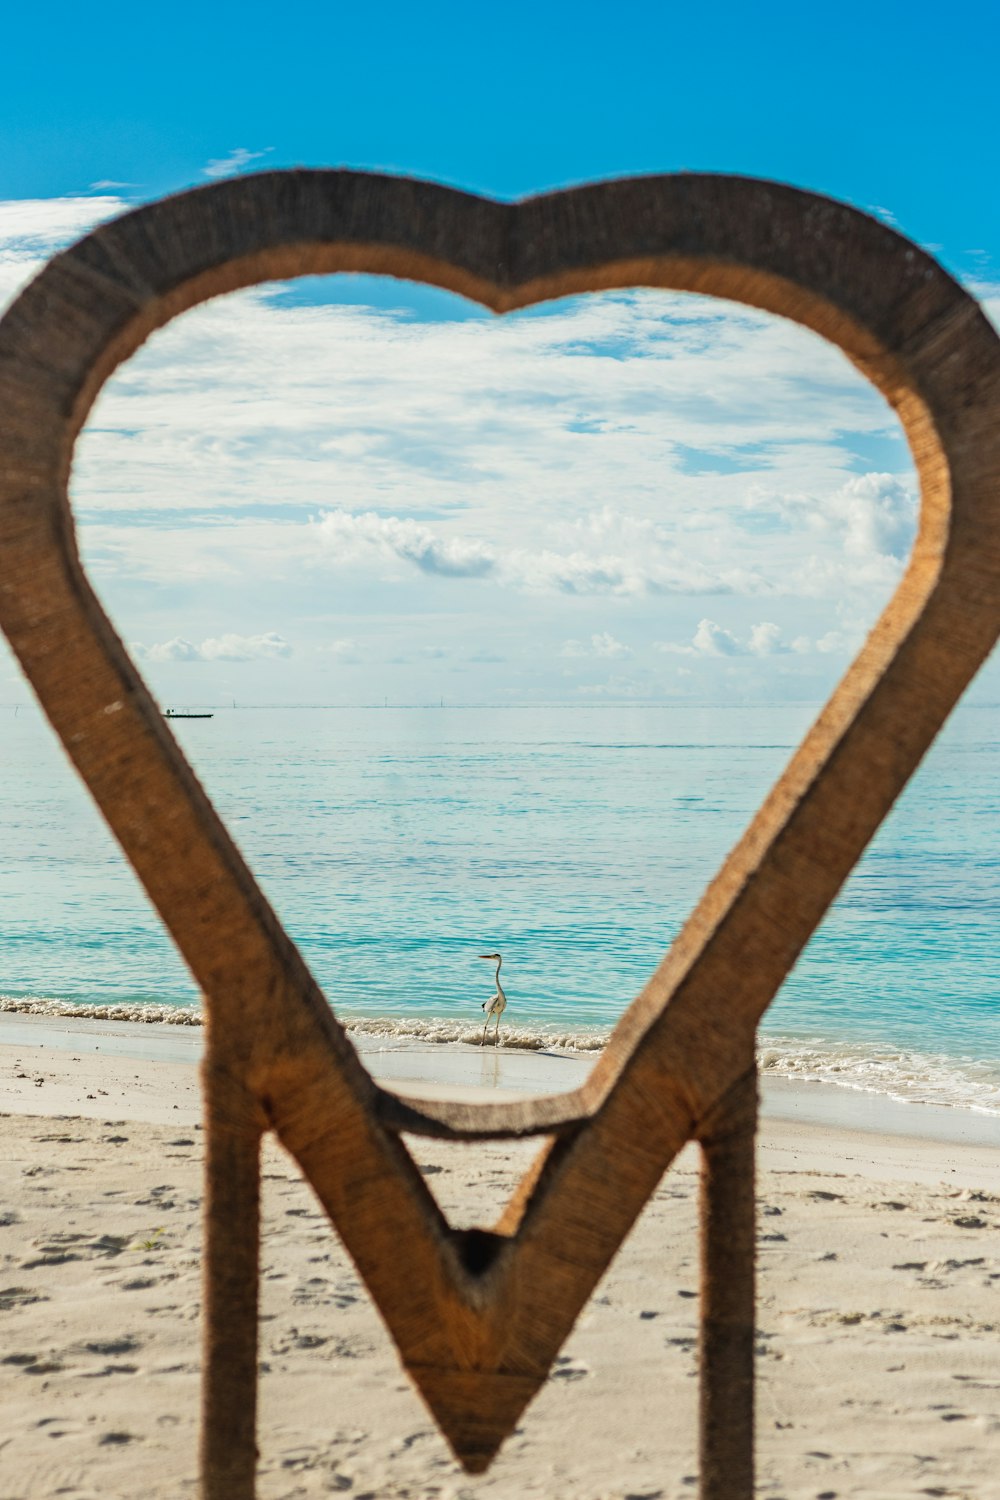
<point x="480" y="1314"/>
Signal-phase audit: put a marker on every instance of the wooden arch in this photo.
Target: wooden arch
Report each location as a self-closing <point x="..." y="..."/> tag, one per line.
<point x="480" y="1315"/>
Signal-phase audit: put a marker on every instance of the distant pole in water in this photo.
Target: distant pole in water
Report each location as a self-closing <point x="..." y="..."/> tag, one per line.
<point x="496" y="1004"/>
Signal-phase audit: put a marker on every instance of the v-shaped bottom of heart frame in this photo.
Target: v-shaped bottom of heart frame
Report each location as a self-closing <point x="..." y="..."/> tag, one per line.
<point x="478" y="1315"/>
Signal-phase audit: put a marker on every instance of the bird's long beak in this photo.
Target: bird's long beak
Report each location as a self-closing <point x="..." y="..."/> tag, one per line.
<point x="486" y="955"/>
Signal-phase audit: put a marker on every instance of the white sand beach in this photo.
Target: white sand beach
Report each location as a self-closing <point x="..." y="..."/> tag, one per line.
<point x="879" y="1331"/>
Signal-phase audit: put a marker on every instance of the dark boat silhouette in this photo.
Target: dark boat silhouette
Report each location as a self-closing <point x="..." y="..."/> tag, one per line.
<point x="172" y="713"/>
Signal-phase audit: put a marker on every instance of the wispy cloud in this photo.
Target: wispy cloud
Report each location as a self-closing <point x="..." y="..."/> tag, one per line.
<point x="238" y="158"/>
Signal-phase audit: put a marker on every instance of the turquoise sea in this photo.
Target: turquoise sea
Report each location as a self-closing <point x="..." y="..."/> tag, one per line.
<point x="397" y="844"/>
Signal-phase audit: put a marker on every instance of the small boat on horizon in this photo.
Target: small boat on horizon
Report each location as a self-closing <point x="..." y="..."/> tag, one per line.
<point x="172" y="713"/>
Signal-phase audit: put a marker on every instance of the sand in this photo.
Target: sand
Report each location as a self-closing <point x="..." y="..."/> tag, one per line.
<point x="879" y="1325"/>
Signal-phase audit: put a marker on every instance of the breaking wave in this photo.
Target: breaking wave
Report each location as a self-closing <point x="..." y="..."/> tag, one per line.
<point x="520" y="1038"/>
<point x="155" y="1015"/>
<point x="386" y="1028"/>
<point x="874" y="1068"/>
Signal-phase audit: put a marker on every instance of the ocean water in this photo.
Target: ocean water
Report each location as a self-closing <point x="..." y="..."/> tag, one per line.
<point x="397" y="844"/>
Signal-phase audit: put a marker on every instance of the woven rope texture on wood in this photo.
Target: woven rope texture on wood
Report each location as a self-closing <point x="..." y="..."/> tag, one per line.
<point x="479" y="1316"/>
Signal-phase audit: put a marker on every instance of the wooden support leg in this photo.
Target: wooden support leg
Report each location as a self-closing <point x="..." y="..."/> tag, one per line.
<point x="229" y="1314"/>
<point x="728" y="1248"/>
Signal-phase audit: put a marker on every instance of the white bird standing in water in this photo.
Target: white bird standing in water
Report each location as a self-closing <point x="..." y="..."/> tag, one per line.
<point x="496" y="1004"/>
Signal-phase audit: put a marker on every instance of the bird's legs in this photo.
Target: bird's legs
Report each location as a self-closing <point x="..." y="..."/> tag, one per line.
<point x="496" y="1038"/>
<point x="485" y="1030"/>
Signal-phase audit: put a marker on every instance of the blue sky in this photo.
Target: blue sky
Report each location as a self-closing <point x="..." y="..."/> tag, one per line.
<point x="360" y="490"/>
<point x="890" y="104"/>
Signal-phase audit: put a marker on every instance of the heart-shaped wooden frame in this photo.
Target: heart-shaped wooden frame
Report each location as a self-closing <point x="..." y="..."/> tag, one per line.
<point x="479" y="1315"/>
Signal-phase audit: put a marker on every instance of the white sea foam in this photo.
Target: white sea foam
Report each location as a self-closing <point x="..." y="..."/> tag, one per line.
<point x="865" y="1067"/>
<point x="870" y="1068"/>
<point x="158" y="1015"/>
<point x="521" y="1038"/>
<point x="389" y="1028"/>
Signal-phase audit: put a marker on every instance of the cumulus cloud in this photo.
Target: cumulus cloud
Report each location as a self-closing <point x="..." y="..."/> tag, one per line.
<point x="865" y="528"/>
<point x="878" y="515"/>
<point x="765" y="639"/>
<point x="712" y="639"/>
<point x="346" y="535"/>
<point x="602" y="645"/>
<point x="605" y="645"/>
<point x="229" y="647"/>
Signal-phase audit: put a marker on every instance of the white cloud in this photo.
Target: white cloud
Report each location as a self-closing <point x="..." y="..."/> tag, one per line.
<point x="347" y="535"/>
<point x="713" y="639"/>
<point x="229" y="647"/>
<point x="228" y="166"/>
<point x="602" y="644"/>
<point x="835" y="641"/>
<point x="878" y="515"/>
<point x="868" y="520"/>
<point x="644" y="560"/>
<point x="31" y="229"/>
<point x="765" y="639"/>
<point x="605" y="645"/>
<point x="177" y="649"/>
<point x="345" y="650"/>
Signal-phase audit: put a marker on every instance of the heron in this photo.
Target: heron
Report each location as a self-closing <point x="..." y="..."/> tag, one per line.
<point x="496" y="1004"/>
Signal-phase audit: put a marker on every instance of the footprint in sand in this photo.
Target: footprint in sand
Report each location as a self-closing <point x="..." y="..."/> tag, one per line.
<point x="56" y="1249"/>
<point x="55" y="1258"/>
<point x="34" y="1364"/>
<point x="127" y="1344"/>
<point x="19" y="1296"/>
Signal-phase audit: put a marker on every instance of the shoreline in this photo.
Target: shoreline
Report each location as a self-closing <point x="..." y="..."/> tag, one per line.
<point x="72" y="1055"/>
